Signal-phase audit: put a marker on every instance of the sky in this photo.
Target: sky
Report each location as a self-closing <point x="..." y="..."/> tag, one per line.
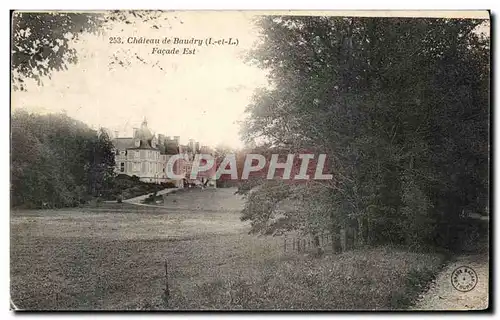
<point x="199" y="96"/>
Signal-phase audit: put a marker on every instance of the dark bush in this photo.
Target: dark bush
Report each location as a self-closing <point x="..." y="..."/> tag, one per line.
<point x="168" y="185"/>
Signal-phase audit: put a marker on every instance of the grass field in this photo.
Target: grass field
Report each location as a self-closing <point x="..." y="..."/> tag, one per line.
<point x="112" y="257"/>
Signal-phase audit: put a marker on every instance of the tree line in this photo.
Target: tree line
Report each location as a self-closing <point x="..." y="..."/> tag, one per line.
<point x="57" y="161"/>
<point x="401" y="107"/>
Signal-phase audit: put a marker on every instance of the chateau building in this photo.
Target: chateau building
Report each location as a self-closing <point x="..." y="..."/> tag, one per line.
<point x="146" y="156"/>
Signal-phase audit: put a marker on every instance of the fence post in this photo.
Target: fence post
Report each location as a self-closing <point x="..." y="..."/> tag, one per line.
<point x="355" y="238"/>
<point x="284" y="245"/>
<point x="343" y="240"/>
<point x="167" y="289"/>
<point x="333" y="238"/>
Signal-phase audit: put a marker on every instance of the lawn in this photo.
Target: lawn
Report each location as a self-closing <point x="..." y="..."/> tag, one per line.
<point x="112" y="257"/>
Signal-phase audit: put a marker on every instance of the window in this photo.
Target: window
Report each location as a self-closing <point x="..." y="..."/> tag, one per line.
<point x="137" y="154"/>
<point x="122" y="167"/>
<point x="137" y="166"/>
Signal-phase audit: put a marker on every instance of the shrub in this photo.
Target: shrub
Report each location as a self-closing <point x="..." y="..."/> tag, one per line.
<point x="127" y="194"/>
<point x="168" y="185"/>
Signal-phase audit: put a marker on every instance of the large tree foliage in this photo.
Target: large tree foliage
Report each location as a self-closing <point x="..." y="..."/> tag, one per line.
<point x="401" y="107"/>
<point x="42" y="41"/>
<point x="57" y="161"/>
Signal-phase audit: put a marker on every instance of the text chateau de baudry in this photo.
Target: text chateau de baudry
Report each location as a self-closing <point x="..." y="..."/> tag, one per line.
<point x="146" y="156"/>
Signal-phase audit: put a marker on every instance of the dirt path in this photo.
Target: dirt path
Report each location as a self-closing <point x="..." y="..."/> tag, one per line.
<point x="443" y="296"/>
<point x="137" y="200"/>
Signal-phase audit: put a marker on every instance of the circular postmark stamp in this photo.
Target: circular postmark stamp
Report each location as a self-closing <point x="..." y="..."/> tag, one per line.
<point x="464" y="278"/>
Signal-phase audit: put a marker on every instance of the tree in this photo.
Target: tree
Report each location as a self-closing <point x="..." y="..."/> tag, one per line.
<point x="100" y="163"/>
<point x="42" y="41"/>
<point x="399" y="105"/>
<point x="57" y="161"/>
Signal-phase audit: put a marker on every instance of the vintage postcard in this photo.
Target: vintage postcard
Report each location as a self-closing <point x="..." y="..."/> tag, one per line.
<point x="250" y="160"/>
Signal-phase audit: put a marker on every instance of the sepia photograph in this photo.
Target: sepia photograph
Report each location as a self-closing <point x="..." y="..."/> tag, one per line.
<point x="165" y="160"/>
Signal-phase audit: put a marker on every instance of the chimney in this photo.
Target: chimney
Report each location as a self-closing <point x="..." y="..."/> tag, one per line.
<point x="161" y="138"/>
<point x="116" y="134"/>
<point x="135" y="132"/>
<point x="191" y="145"/>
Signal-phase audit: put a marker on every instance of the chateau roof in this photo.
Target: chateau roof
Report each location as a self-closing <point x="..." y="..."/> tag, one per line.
<point x="144" y="134"/>
<point x="165" y="145"/>
<point x="143" y="145"/>
<point x="123" y="143"/>
<point x="129" y="144"/>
